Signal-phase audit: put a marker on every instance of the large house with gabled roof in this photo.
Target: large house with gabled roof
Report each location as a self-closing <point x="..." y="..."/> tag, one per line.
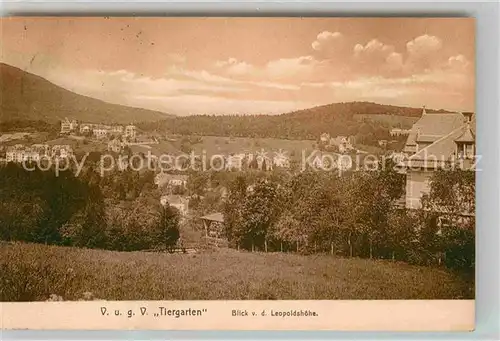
<point x="436" y="140"/>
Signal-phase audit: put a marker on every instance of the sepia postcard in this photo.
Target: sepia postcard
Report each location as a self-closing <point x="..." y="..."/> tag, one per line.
<point x="237" y="173"/>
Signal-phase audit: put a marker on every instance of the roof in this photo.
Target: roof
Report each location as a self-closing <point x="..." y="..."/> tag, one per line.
<point x="214" y="217"/>
<point x="428" y="138"/>
<point x="430" y="127"/>
<point x="438" y="152"/>
<point x="443" y="131"/>
<point x="467" y="135"/>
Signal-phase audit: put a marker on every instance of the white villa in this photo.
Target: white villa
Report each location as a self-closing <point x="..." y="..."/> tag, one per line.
<point x="166" y="179"/>
<point x="97" y="130"/>
<point x="68" y="126"/>
<point x="130" y="131"/>
<point x="399" y="131"/>
<point x="435" y="141"/>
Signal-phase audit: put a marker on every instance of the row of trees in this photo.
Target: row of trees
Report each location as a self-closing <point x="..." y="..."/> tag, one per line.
<point x="86" y="211"/>
<point x="354" y="216"/>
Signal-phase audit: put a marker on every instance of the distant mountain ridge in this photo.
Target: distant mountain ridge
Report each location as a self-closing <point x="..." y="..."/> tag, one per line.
<point x="369" y="121"/>
<point x="25" y="96"/>
<point x="362" y="108"/>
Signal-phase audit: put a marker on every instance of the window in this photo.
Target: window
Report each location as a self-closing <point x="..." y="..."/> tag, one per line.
<point x="427" y="182"/>
<point x="469" y="151"/>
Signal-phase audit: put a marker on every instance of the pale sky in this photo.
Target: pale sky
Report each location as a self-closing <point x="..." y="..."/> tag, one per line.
<point x="250" y="65"/>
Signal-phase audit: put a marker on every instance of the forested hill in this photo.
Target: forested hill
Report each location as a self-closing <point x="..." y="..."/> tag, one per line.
<point x="25" y="96"/>
<point x="353" y="118"/>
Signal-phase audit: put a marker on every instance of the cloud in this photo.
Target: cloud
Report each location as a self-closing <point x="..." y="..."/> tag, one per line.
<point x="301" y="67"/>
<point x="433" y="88"/>
<point x="373" y="48"/>
<point x="234" y="67"/>
<point x="436" y="78"/>
<point x="333" y="47"/>
<point x="199" y="75"/>
<point x="336" y="71"/>
<point x="376" y="57"/>
<point x="277" y="73"/>
<point x="423" y="53"/>
<point x="423" y="45"/>
<point x="122" y="86"/>
<point x="273" y="85"/>
<point x="122" y="74"/>
<point x="325" y="40"/>
<point x="394" y="61"/>
<point x="203" y="91"/>
<point x="458" y="63"/>
<point x="214" y="105"/>
<point x="209" y="78"/>
<point x="168" y="86"/>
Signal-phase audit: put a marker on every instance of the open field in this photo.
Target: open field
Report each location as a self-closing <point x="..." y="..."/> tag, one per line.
<point x="33" y="272"/>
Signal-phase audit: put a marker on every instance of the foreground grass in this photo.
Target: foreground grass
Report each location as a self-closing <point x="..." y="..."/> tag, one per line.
<point x="32" y="272"/>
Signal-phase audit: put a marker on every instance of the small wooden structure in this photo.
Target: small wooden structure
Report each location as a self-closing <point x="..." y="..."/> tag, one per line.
<point x="214" y="225"/>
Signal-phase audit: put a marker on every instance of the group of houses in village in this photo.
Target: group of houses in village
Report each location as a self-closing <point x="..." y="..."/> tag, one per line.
<point x="118" y="136"/>
<point x="128" y="132"/>
<point x="262" y="161"/>
<point x="43" y="151"/>
<point x="436" y="140"/>
<point x="399" y="132"/>
<point x="37" y="152"/>
<point x="344" y="144"/>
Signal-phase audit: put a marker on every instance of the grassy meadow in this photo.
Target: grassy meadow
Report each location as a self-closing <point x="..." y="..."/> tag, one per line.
<point x="32" y="272"/>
